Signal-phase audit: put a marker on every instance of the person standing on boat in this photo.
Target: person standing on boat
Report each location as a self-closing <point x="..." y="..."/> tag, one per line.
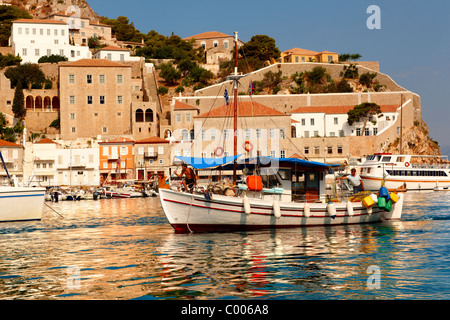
<point x="189" y="181"/>
<point x="355" y="180"/>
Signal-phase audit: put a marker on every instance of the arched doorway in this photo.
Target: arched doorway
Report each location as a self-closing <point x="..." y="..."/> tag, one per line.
<point x="38" y="102"/>
<point x="55" y="103"/>
<point x="139" y="115"/>
<point x="149" y="115"/>
<point x="29" y="102"/>
<point x="47" y="103"/>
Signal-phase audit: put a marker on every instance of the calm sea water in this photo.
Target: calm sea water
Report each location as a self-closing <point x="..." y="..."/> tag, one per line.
<point x="125" y="249"/>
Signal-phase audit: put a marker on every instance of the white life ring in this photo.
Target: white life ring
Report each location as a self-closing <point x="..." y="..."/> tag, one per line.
<point x="218" y="152"/>
<point x="407" y="164"/>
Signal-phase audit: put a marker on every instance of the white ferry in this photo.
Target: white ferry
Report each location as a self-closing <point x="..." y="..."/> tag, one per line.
<point x="412" y="172"/>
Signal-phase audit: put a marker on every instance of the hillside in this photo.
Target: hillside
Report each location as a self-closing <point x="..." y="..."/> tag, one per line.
<point x="42" y="8"/>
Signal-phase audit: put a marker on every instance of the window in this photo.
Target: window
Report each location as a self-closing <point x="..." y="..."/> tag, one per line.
<point x="247" y="134"/>
<point x="27" y="31"/>
<point x="89" y="99"/>
<point x="306" y="150"/>
<point x="330" y="58"/>
<point x="34" y="30"/>
<point x="316" y="133"/>
<point x="24" y="51"/>
<point x="71" y="78"/>
<point x="161" y="161"/>
<point x="119" y="78"/>
<point x="303" y="122"/>
<point x="56" y="41"/>
<point x="330" y="150"/>
<point x="105" y="129"/>
<point x="282" y="153"/>
<point x="102" y="99"/>
<point x="160" y="150"/>
<point x="336" y="121"/>
<point x="341" y="133"/>
<point x="258" y="133"/>
<point x="48" y="32"/>
<point x="62" y="32"/>
<point x="271" y="133"/>
<point x="61" y="52"/>
<point x="178" y="117"/>
<point x="312" y="122"/>
<point x="101" y="78"/>
<point x="56" y="32"/>
<point x="358" y="131"/>
<point x="109" y="56"/>
<point x="339" y="150"/>
<point x="89" y="78"/>
<point x="72" y="116"/>
<point x="123" y="151"/>
<point x="332" y="134"/>
<point x="283" y="133"/>
<point x="71" y="99"/>
<point x="122" y="57"/>
<point x="316" y="150"/>
<point x="49" y="52"/>
<point x="366" y="131"/>
<point x="226" y="134"/>
<point x="19" y="30"/>
<point x="184" y="135"/>
<point x="188" y="117"/>
<point x="272" y="153"/>
<point x="212" y="134"/>
<point x="306" y="134"/>
<point x="41" y="32"/>
<point x="225" y="44"/>
<point x="375" y="131"/>
<point x="296" y="59"/>
<point x="105" y="165"/>
<point x="74" y="129"/>
<point x="119" y="99"/>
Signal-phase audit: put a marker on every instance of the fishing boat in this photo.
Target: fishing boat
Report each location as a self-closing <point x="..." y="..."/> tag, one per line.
<point x="271" y="193"/>
<point x="411" y="172"/>
<point x="20" y="203"/>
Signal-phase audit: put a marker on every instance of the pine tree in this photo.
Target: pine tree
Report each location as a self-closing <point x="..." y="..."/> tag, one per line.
<point x="18" y="107"/>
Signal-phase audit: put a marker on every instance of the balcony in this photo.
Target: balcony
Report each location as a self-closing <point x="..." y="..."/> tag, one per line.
<point x="113" y="157"/>
<point x="150" y="155"/>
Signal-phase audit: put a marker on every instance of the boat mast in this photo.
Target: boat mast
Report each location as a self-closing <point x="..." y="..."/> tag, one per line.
<point x="401" y="123"/>
<point x="235" y="104"/>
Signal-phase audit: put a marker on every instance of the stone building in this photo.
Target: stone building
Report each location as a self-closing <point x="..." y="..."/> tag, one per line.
<point x="33" y="38"/>
<point x="95" y="99"/>
<point x="152" y="158"/>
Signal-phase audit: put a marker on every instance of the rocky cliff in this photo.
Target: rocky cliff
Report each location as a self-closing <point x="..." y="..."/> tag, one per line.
<point x="416" y="140"/>
<point x="42" y="8"/>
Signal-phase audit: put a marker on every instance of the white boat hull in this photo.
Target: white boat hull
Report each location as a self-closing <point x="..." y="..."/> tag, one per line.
<point x="415" y="183"/>
<point x="21" y="203"/>
<point x="194" y="213"/>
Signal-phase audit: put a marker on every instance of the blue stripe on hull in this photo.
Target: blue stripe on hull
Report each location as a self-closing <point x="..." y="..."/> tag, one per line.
<point x="22" y="196"/>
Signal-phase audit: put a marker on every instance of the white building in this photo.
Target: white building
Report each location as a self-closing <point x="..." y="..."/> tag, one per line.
<point x="54" y="165"/>
<point x="332" y="122"/>
<point x="34" y="38"/>
<point x="114" y="53"/>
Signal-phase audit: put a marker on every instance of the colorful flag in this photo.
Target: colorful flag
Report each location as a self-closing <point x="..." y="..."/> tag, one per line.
<point x="251" y="88"/>
<point x="226" y="96"/>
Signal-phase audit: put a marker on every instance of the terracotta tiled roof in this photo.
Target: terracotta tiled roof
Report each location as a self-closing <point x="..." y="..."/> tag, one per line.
<point x="45" y="140"/>
<point x="183" y="106"/>
<point x="4" y="143"/>
<point x="328" y="52"/>
<point x="301" y="52"/>
<point x="152" y="140"/>
<point x="339" y="109"/>
<point x="117" y="141"/>
<point x="245" y="109"/>
<point x="94" y="63"/>
<point x="208" y="35"/>
<point x="47" y="21"/>
<point x="112" y="48"/>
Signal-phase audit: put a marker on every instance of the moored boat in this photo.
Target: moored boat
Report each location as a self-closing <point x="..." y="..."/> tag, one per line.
<point x="21" y="203"/>
<point x="411" y="172"/>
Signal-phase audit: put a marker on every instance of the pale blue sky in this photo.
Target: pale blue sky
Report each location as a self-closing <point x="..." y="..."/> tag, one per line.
<point x="412" y="46"/>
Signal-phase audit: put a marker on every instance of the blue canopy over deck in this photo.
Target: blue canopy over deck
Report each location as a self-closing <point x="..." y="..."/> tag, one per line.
<point x="205" y="163"/>
<point x="264" y="161"/>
